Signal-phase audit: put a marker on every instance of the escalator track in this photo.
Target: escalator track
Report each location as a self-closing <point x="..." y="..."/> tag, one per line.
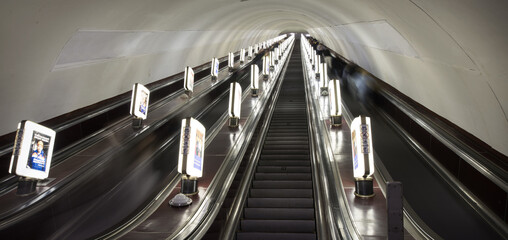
<point x="280" y="203"/>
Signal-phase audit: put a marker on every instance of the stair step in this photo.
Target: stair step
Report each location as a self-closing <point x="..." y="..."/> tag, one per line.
<point x="280" y="202"/>
<point x="284" y="163"/>
<point x="274" y="146"/>
<point x="282" y="169"/>
<point x="280" y="193"/>
<point x="282" y="184"/>
<point x="283" y="176"/>
<point x="274" y="236"/>
<point x="284" y="157"/>
<point x="285" y="151"/>
<point x="280" y="142"/>
<point x="288" y="226"/>
<point x="288" y="138"/>
<point x="279" y="213"/>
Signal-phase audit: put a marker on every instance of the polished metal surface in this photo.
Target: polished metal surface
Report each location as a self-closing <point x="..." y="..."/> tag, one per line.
<point x="70" y="174"/>
<point x="463" y="191"/>
<point x="496" y="174"/>
<point x="224" y="176"/>
<point x="334" y="204"/>
<point x="234" y="214"/>
<point x="192" y="222"/>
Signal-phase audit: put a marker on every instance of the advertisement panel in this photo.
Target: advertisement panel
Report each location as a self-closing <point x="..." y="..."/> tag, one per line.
<point x="231" y="60"/>
<point x="361" y="142"/>
<point x="235" y="99"/>
<point x="266" y="65"/>
<point x="215" y="67"/>
<point x="33" y="150"/>
<point x="250" y="52"/>
<point x="139" y="101"/>
<point x="254" y="76"/>
<point x="242" y="55"/>
<point x="334" y="97"/>
<point x="192" y="148"/>
<point x="188" y="81"/>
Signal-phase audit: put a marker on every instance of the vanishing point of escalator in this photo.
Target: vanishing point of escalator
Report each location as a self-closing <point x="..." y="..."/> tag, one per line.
<point x="280" y="204"/>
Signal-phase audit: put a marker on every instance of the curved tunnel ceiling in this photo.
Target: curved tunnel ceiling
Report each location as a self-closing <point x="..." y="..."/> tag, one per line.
<point x="63" y="55"/>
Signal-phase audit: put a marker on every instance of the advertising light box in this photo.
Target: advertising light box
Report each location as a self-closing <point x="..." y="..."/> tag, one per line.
<point x="235" y="100"/>
<point x="231" y="60"/>
<point x="139" y="101"/>
<point x="254" y="76"/>
<point x="273" y="57"/>
<point x="192" y="148"/>
<point x="323" y="76"/>
<point x="215" y="67"/>
<point x="317" y="64"/>
<point x="313" y="57"/>
<point x="361" y="142"/>
<point x="33" y="150"/>
<point x="249" y="53"/>
<point x="334" y="97"/>
<point x="188" y="83"/>
<point x="242" y="55"/>
<point x="266" y="65"/>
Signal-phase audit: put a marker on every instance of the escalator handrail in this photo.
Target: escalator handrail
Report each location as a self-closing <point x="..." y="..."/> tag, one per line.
<point x="78" y="119"/>
<point x="37" y="202"/>
<point x="7" y="183"/>
<point x="486" y="213"/>
<point x="484" y="166"/>
<point x="203" y="217"/>
<point x="331" y="188"/>
<point x="412" y="222"/>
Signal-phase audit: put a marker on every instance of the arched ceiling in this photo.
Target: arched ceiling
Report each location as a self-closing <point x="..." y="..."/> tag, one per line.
<point x="63" y="55"/>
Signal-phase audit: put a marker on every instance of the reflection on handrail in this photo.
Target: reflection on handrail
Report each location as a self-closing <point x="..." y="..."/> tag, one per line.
<point x="335" y="206"/>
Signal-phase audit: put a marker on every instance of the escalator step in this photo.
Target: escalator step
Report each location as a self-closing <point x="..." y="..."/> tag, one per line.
<point x="279" y="213"/>
<point x="288" y="134"/>
<point x="283" y="176"/>
<point x="274" y="146"/>
<point x="294" y="226"/>
<point x="284" y="163"/>
<point x="289" y="124"/>
<point x="288" y="138"/>
<point x="284" y="130"/>
<point x="282" y="169"/>
<point x="283" y="157"/>
<point x="274" y="236"/>
<point x="280" y="202"/>
<point x="280" y="193"/>
<point x="282" y="184"/>
<point x="287" y="142"/>
<point x="285" y="151"/>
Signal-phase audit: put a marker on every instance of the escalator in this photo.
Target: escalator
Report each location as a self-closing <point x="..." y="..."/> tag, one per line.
<point x="280" y="203"/>
<point x="99" y="196"/>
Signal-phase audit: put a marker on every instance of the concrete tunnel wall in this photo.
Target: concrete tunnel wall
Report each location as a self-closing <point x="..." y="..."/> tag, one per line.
<point x="59" y="56"/>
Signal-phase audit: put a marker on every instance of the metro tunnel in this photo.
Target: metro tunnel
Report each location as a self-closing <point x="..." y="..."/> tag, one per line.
<point x="275" y="119"/>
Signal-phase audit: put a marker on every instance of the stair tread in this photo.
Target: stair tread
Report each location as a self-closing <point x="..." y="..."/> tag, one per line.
<point x="280" y="193"/>
<point x="283" y="176"/>
<point x="279" y="213"/>
<point x="296" y="226"/>
<point x="275" y="236"/>
<point x="295" y="184"/>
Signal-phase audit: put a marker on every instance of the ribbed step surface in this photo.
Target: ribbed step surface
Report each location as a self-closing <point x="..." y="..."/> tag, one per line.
<point x="280" y="203"/>
<point x="275" y="236"/>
